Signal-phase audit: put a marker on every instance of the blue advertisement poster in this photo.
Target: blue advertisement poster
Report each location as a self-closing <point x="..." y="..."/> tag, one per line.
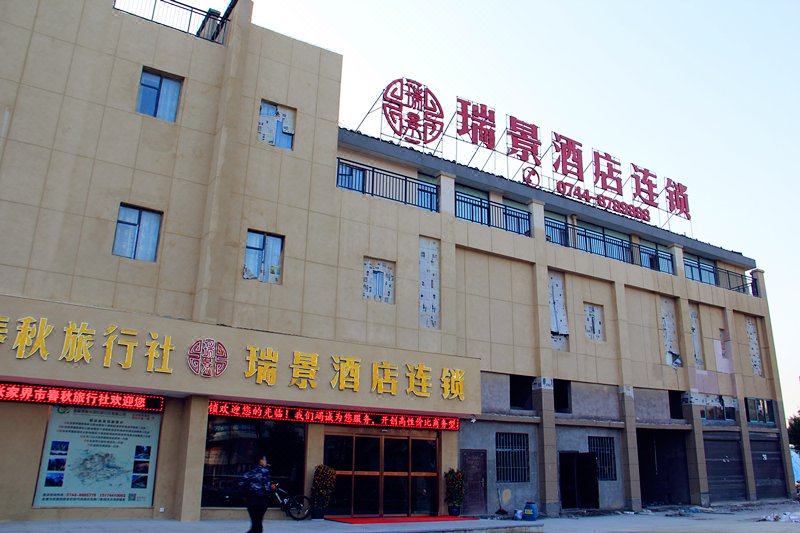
<point x="98" y="458"/>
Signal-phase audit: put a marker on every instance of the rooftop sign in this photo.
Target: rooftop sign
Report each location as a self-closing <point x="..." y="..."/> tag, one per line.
<point x="415" y="117"/>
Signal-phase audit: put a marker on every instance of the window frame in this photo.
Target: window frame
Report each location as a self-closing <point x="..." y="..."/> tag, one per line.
<point x="283" y="136"/>
<point x="137" y="240"/>
<point x="264" y="273"/>
<point x="168" y="115"/>
<point x="512" y="457"/>
<point x="604" y="450"/>
<point x="387" y="277"/>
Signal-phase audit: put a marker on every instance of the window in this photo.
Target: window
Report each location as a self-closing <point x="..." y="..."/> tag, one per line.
<point x="521" y="392"/>
<point x="675" y="404"/>
<point x="137" y="233"/>
<point x="715" y="407"/>
<point x="562" y="393"/>
<point x="428" y="283"/>
<point x="556" y="231"/>
<point x="755" y="351"/>
<point x="760" y="410"/>
<point x="699" y="269"/>
<point x="350" y="177"/>
<point x="263" y="257"/>
<point x="378" y="280"/>
<point x="603" y="448"/>
<point x="511" y="452"/>
<point x="158" y="95"/>
<point x="276" y="125"/>
<point x="593" y="315"/>
<point x="558" y="312"/>
<point x="669" y="330"/>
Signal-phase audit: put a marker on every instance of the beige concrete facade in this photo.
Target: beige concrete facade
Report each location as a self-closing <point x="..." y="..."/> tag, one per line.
<point x="73" y="149"/>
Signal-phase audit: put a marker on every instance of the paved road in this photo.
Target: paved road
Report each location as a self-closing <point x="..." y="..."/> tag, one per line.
<point x="736" y="519"/>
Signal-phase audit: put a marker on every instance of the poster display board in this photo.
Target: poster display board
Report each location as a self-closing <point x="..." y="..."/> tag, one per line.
<point x="98" y="458"/>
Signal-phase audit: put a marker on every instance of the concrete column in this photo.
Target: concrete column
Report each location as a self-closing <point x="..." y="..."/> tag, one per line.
<point x="771" y="372"/>
<point x="447" y="193"/>
<point x="696" y="456"/>
<point x="677" y="257"/>
<point x="189" y="482"/>
<point x="536" y="209"/>
<point x="496" y="218"/>
<point x="546" y="444"/>
<point x="629" y="443"/>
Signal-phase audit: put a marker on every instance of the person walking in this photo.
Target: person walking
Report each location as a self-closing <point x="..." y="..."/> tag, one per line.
<point x="257" y="485"/>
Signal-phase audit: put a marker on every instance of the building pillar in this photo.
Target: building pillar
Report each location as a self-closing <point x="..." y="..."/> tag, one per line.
<point x="447" y="193"/>
<point x="677" y="257"/>
<point x="536" y="209"/>
<point x="696" y="455"/>
<point x="629" y="444"/>
<point x="189" y="482"/>
<point x="546" y="444"/>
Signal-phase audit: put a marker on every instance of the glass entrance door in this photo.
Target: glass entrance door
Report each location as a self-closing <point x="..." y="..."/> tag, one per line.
<point x="383" y="475"/>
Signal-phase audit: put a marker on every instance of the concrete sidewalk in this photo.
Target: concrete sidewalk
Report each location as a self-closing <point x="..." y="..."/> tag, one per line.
<point x="744" y="518"/>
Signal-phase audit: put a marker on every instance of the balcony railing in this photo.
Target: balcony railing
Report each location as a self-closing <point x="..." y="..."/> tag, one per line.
<point x="385" y="184"/>
<point x="598" y="243"/>
<point x="209" y="25"/>
<point x="493" y="214"/>
<point x="720" y="277"/>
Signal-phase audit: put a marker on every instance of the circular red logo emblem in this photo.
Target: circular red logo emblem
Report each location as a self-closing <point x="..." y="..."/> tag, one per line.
<point x="207" y="358"/>
<point x="412" y="111"/>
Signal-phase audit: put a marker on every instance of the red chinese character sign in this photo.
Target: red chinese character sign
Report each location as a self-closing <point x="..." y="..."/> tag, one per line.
<point x="332" y="416"/>
<point x="207" y="358"/>
<point x="412" y="111"/>
<point x="22" y="392"/>
<point x="597" y="178"/>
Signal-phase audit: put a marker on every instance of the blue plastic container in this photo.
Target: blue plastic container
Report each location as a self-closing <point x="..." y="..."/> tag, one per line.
<point x="530" y="512"/>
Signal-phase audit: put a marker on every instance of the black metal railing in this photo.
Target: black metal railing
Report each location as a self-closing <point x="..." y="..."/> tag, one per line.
<point x="712" y="275"/>
<point x="384" y="184"/>
<point x="209" y="25"/>
<point x="492" y="214"/>
<point x="598" y="243"/>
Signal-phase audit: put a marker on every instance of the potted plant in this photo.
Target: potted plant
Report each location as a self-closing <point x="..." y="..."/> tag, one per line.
<point x="454" y="491"/>
<point x="322" y="488"/>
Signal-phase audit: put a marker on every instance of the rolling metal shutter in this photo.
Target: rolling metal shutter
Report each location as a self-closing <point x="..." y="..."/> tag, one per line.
<point x="724" y="467"/>
<point x="765" y="449"/>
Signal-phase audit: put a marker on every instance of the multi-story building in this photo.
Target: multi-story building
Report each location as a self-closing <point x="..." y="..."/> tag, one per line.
<point x="197" y="265"/>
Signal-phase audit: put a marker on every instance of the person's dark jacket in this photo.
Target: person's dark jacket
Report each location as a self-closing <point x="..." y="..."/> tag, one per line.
<point x="256" y="483"/>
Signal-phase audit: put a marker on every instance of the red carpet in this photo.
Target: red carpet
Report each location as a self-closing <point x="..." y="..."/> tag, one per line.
<point x="398" y="519"/>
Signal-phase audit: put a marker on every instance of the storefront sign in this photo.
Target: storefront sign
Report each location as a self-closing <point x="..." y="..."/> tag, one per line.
<point x="98" y="458"/>
<point x="209" y="358"/>
<point x="415" y="116"/>
<point x="331" y="416"/>
<point x="21" y="392"/>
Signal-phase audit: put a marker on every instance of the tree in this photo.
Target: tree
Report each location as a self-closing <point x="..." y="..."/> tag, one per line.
<point x="794" y="430"/>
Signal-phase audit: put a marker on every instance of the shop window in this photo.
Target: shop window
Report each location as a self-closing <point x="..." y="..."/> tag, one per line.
<point x="429" y="283"/>
<point x="521" y="392"/>
<point x="513" y="459"/>
<point x="276" y="125"/>
<point x="137" y="232"/>
<point x="263" y="257"/>
<point x="676" y="405"/>
<point x="593" y="316"/>
<point x="158" y="95"/>
<point x="603" y="448"/>
<point x="378" y="282"/>
<point x="562" y="396"/>
<point x="233" y="446"/>
<point x="559" y="330"/>
<point x="760" y="410"/>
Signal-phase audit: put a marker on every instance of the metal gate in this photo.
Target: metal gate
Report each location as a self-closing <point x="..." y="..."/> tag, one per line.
<point x="724" y="467"/>
<point x="765" y="449"/>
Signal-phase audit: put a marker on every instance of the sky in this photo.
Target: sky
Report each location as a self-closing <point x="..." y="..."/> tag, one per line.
<point x="705" y="93"/>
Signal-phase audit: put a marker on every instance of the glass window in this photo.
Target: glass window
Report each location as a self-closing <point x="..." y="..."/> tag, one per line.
<point x="137" y="233"/>
<point x="423" y="455"/>
<point x="233" y="446"/>
<point x="350" y="177"/>
<point x="263" y="257"/>
<point x="276" y="125"/>
<point x="513" y="461"/>
<point x="158" y="96"/>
